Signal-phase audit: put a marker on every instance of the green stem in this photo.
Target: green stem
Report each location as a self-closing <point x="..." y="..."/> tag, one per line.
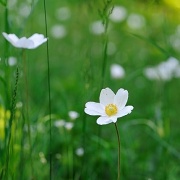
<point x="6" y="55"/>
<point x="105" y="21"/>
<point x="49" y="94"/>
<point x="119" y="146"/>
<point x="10" y="123"/>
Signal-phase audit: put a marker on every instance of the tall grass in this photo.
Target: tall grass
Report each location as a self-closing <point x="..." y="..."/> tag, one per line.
<point x="49" y="91"/>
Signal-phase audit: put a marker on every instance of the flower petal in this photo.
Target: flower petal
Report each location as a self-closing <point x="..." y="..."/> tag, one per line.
<point x="113" y="118"/>
<point x="38" y="39"/>
<point x="103" y="120"/>
<point x="12" y="38"/>
<point x="25" y="43"/>
<point x="93" y="108"/>
<point x="106" y="96"/>
<point x="126" y="110"/>
<point x="121" y="98"/>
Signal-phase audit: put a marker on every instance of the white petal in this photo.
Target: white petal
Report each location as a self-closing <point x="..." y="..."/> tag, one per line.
<point x="12" y="38"/>
<point x="121" y="98"/>
<point x="25" y="43"/>
<point x="106" y="96"/>
<point x="38" y="39"/>
<point x="113" y="118"/>
<point x="93" y="108"/>
<point x="126" y="110"/>
<point x="103" y="120"/>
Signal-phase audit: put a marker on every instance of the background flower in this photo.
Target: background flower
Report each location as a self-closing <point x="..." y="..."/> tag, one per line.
<point x="117" y="71"/>
<point x="28" y="43"/>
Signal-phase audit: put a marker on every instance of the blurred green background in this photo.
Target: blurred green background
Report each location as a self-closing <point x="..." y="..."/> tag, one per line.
<point x="140" y="34"/>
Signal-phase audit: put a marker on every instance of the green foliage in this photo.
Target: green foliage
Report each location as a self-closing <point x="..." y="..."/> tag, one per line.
<point x="3" y="2"/>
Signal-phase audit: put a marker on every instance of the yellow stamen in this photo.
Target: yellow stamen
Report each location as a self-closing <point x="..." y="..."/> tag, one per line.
<point x="111" y="109"/>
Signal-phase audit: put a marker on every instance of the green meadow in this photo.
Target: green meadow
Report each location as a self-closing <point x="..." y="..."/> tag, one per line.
<point x="91" y="45"/>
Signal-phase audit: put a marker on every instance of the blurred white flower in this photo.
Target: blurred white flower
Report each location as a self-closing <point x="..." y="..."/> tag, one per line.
<point x="19" y="104"/>
<point x="117" y="71"/>
<point x="11" y="4"/>
<point x="165" y="71"/>
<point x="12" y="61"/>
<point x="118" y="14"/>
<point x="177" y="72"/>
<point x="28" y="43"/>
<point x="135" y="21"/>
<point x="97" y="28"/>
<point x="42" y="158"/>
<point x="63" y="13"/>
<point x="68" y="125"/>
<point x="151" y="73"/>
<point x="58" y="31"/>
<point x="24" y="10"/>
<point x="111" y="107"/>
<point x="59" y="123"/>
<point x="80" y="151"/>
<point x="172" y="63"/>
<point x="73" y="115"/>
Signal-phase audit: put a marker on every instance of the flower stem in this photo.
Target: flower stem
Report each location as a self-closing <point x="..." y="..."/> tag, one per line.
<point x="119" y="147"/>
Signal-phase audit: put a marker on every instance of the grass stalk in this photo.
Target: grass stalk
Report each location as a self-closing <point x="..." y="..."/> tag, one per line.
<point x="49" y="92"/>
<point x="13" y="105"/>
<point x="105" y="20"/>
<point x="6" y="54"/>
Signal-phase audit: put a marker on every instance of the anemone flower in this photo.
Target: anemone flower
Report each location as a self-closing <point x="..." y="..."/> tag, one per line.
<point x="27" y="43"/>
<point x="111" y="107"/>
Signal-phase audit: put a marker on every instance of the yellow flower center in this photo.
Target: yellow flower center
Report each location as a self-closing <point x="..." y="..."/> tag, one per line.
<point x="111" y="109"/>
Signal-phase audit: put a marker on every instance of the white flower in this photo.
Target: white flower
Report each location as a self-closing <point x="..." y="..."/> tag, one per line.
<point x="151" y="73"/>
<point x="28" y="43"/>
<point x="111" y="106"/>
<point x="165" y="71"/>
<point x="118" y="14"/>
<point x="59" y="123"/>
<point x="97" y="28"/>
<point x="58" y="31"/>
<point x="117" y="71"/>
<point x="73" y="115"/>
<point x="80" y="151"/>
<point x="63" y="13"/>
<point x="68" y="125"/>
<point x="12" y="61"/>
<point x="136" y="21"/>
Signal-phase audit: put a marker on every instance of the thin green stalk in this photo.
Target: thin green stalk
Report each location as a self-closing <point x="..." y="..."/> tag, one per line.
<point x="119" y="151"/>
<point x="105" y="20"/>
<point x="49" y="93"/>
<point x="21" y="162"/>
<point x="10" y="124"/>
<point x="6" y="27"/>
<point x="6" y="54"/>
